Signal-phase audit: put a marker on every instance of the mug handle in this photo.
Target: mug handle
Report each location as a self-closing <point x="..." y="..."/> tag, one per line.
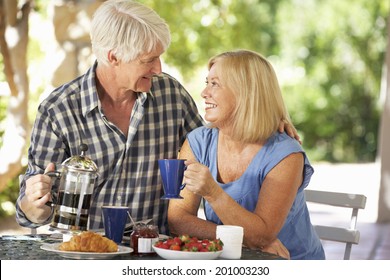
<point x="183" y="185"/>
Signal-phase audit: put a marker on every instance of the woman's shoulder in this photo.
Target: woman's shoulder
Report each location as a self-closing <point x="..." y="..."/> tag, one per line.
<point x="282" y="140"/>
<point x="203" y="132"/>
<point x="278" y="147"/>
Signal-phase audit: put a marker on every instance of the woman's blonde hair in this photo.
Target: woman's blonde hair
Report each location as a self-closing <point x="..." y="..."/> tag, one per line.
<point x="260" y="106"/>
<point x="127" y="28"/>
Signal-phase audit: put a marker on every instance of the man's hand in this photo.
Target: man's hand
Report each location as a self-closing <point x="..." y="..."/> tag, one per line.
<point x="285" y="125"/>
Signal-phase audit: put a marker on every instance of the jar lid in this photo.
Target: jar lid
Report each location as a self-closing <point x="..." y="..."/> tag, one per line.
<point x="80" y="162"/>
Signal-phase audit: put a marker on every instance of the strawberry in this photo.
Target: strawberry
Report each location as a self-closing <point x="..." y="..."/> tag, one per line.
<point x="211" y="247"/>
<point x="177" y="240"/>
<point x="175" y="247"/>
<point x="184" y="238"/>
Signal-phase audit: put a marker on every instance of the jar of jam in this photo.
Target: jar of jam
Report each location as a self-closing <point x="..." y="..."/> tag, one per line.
<point x="142" y="238"/>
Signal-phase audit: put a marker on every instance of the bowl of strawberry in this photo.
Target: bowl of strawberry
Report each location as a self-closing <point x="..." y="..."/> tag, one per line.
<point x="185" y="247"/>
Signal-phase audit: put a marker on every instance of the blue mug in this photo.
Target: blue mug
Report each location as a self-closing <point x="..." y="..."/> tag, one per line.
<point x="172" y="172"/>
<point x="114" y="220"/>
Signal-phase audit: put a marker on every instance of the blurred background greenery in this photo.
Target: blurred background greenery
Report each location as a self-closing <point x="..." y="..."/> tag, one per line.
<point x="329" y="57"/>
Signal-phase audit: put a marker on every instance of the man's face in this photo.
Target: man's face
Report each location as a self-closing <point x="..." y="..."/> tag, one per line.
<point x="137" y="75"/>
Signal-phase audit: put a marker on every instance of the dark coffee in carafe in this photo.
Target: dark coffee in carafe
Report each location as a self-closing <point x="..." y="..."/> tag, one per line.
<point x="67" y="215"/>
<point x="75" y="193"/>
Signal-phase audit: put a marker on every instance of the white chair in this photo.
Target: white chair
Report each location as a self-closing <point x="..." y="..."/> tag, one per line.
<point x="349" y="235"/>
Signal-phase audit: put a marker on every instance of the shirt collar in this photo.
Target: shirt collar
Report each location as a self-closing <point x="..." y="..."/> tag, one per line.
<point x="88" y="91"/>
<point x="89" y="96"/>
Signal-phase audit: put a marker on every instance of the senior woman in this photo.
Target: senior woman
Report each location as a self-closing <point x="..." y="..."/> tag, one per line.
<point x="247" y="172"/>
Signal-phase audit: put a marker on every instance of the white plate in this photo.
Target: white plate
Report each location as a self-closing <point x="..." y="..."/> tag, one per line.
<point x="184" y="255"/>
<point x="85" y="255"/>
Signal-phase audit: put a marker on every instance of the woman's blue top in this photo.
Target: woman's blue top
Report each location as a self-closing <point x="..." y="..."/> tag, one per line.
<point x="297" y="233"/>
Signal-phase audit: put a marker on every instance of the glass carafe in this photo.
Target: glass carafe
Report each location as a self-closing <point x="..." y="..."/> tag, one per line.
<point x="75" y="191"/>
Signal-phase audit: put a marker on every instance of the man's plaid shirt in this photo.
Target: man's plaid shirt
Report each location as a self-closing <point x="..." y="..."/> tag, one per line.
<point x="128" y="167"/>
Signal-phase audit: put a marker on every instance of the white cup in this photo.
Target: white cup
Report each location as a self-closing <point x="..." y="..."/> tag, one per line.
<point x="232" y="238"/>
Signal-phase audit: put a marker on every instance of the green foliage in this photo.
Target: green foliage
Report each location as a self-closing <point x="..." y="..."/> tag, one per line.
<point x="342" y="55"/>
<point x="202" y="29"/>
<point x="328" y="55"/>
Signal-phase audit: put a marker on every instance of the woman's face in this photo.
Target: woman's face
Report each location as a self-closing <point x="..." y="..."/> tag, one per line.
<point x="220" y="101"/>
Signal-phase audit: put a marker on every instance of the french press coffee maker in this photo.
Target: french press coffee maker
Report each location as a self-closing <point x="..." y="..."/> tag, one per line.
<point x="74" y="195"/>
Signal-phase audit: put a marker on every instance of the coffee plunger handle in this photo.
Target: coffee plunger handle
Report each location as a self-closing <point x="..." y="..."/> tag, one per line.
<point x="53" y="174"/>
<point x="83" y="148"/>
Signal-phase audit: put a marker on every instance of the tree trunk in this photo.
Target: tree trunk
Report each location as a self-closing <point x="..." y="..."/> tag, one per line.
<point x="13" y="42"/>
<point x="384" y="146"/>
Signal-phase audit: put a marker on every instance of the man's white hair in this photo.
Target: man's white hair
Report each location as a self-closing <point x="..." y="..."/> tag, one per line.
<point x="127" y="28"/>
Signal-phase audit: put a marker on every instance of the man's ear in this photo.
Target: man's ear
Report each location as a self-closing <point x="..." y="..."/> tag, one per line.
<point x="112" y="58"/>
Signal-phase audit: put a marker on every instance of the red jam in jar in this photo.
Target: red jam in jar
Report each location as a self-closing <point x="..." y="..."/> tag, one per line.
<point x="142" y="238"/>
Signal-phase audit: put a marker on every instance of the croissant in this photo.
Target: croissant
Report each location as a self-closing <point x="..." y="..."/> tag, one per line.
<point x="89" y="241"/>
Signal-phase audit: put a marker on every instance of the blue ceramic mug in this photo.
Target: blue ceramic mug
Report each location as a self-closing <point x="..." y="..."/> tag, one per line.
<point x="172" y="172"/>
<point x="114" y="220"/>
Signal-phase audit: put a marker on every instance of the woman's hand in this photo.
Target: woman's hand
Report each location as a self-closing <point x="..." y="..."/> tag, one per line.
<point x="198" y="179"/>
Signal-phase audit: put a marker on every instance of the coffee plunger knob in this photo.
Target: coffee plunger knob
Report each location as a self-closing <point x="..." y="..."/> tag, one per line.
<point x="83" y="148"/>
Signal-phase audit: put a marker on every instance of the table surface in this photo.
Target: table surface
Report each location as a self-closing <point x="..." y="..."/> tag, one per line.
<point x="28" y="247"/>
